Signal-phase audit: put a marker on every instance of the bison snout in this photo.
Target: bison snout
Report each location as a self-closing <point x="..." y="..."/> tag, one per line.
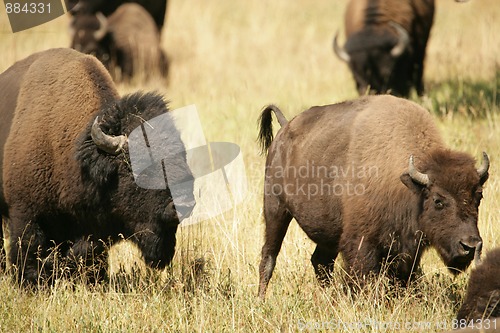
<point x="471" y="245"/>
<point x="184" y="209"/>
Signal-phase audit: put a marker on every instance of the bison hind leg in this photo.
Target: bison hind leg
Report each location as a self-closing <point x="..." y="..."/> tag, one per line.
<point x="323" y="260"/>
<point x="277" y="221"/>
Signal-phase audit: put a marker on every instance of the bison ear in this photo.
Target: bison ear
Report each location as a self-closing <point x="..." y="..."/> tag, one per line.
<point x="409" y="182"/>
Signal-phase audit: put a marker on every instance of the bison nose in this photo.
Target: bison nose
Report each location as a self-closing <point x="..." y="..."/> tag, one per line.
<point x="184" y="209"/>
<point x="471" y="244"/>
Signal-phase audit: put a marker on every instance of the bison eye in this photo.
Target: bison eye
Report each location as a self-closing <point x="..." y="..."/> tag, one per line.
<point x="438" y="204"/>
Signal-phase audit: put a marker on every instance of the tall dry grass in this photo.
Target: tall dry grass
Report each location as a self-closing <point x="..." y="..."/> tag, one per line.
<point x="231" y="58"/>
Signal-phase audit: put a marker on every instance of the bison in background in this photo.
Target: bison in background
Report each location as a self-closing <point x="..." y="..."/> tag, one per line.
<point x="127" y="43"/>
<point x="67" y="185"/>
<point x="386" y="43"/>
<point x="156" y="8"/>
<point x="372" y="179"/>
<point x="482" y="300"/>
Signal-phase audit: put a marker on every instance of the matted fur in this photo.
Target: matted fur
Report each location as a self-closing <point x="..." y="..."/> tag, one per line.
<point x="342" y="172"/>
<point x="59" y="187"/>
<point x="482" y="300"/>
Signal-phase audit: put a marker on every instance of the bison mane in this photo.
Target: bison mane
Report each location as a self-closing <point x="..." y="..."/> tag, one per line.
<point x="99" y="170"/>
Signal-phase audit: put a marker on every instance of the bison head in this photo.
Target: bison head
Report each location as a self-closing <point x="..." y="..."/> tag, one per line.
<point x="449" y="191"/>
<point x="378" y="59"/>
<point x="90" y="35"/>
<point x="107" y="172"/>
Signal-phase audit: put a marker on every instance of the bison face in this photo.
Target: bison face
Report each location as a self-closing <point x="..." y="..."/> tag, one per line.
<point x="379" y="60"/>
<point x="449" y="194"/>
<point x="90" y="35"/>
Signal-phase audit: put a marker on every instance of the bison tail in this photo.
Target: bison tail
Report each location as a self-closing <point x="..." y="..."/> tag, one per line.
<point x="266" y="126"/>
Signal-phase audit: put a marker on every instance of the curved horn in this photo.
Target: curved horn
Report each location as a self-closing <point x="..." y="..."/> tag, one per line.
<point x="485" y="165"/>
<point x="417" y="176"/>
<point x="403" y="40"/>
<point x="108" y="143"/>
<point x="339" y="51"/>
<point x="103" y="26"/>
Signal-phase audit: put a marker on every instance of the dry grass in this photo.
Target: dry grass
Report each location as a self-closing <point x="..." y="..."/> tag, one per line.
<point x="231" y="58"/>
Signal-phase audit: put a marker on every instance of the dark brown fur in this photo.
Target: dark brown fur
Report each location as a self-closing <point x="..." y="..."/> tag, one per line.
<point x="58" y="187"/>
<point x="370" y="38"/>
<point x="156" y="8"/>
<point x="357" y="197"/>
<point x="482" y="300"/>
<point x="131" y="44"/>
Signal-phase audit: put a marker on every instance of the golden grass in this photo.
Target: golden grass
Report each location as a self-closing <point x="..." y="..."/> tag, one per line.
<point x="231" y="58"/>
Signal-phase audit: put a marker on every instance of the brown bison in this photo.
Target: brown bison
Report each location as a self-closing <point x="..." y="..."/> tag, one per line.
<point x="386" y="42"/>
<point x="482" y="300"/>
<point x="128" y="40"/>
<point x="370" y="178"/>
<point x="67" y="184"/>
<point x="156" y="8"/>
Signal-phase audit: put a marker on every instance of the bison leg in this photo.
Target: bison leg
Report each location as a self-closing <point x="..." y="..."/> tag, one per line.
<point x="87" y="259"/>
<point x="277" y="220"/>
<point x="323" y="260"/>
<point x="27" y="248"/>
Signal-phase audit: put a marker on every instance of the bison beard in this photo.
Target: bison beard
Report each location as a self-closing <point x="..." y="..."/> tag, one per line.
<point x="422" y="194"/>
<point x="67" y="198"/>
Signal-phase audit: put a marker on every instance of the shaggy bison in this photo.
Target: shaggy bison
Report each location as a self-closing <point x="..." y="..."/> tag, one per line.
<point x="128" y="40"/>
<point x="67" y="184"/>
<point x="156" y="8"/>
<point x="386" y="42"/>
<point x="370" y="178"/>
<point x="482" y="300"/>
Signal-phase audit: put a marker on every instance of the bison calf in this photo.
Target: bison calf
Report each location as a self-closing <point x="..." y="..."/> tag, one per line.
<point x="370" y="178"/>
<point x="482" y="300"/>
<point x="128" y="40"/>
<point x="66" y="181"/>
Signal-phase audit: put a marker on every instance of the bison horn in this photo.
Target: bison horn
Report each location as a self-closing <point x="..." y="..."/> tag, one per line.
<point x="339" y="51"/>
<point x="108" y="143"/>
<point x="485" y="165"/>
<point x="103" y="26"/>
<point x="403" y="40"/>
<point x="417" y="176"/>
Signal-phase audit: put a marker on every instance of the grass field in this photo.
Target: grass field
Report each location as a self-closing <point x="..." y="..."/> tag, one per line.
<point x="231" y="58"/>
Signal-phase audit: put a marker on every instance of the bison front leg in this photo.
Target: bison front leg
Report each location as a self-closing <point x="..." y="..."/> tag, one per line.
<point x="361" y="260"/>
<point x="87" y="260"/>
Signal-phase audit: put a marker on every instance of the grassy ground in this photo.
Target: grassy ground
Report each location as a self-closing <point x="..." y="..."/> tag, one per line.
<point x="231" y="58"/>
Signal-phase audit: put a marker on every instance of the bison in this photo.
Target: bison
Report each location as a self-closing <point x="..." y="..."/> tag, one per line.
<point x="372" y="179"/>
<point x="67" y="187"/>
<point x="156" y="8"/>
<point x="128" y="40"/>
<point x="482" y="300"/>
<point x="386" y="42"/>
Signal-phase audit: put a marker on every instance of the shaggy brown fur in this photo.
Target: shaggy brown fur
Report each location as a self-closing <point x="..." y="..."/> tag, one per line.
<point x="59" y="187"/>
<point x="482" y="300"/>
<point x="371" y="37"/>
<point x="156" y="8"/>
<point x="131" y="44"/>
<point x="342" y="172"/>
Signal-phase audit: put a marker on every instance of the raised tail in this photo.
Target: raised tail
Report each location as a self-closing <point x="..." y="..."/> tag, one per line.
<point x="266" y="126"/>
